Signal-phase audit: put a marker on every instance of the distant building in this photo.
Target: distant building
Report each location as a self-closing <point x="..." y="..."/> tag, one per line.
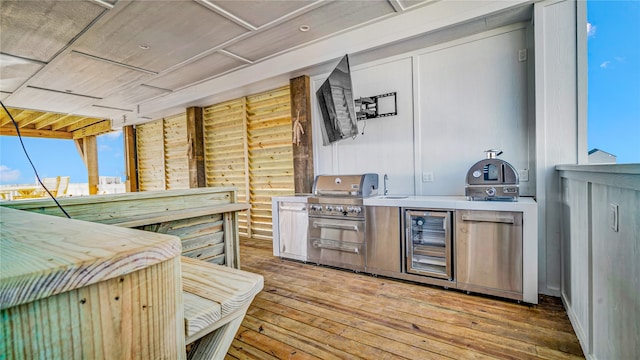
<point x="102" y="180"/>
<point x="597" y="156"/>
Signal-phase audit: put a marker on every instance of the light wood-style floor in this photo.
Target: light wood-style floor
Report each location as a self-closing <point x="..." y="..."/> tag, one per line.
<point x="314" y="312"/>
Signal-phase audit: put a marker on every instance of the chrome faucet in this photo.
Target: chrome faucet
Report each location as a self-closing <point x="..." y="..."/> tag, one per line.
<point x="386" y="188"/>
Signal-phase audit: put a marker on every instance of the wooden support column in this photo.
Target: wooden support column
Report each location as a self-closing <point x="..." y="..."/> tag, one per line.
<point x="90" y="150"/>
<point x="129" y="135"/>
<point x="302" y="151"/>
<point x="195" y="138"/>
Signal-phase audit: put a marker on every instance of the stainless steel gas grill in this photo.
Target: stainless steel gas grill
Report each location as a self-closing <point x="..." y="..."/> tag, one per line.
<point x="492" y="179"/>
<point x="337" y="220"/>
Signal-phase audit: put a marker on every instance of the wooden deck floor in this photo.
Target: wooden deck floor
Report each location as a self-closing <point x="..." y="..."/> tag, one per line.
<point x="314" y="312"/>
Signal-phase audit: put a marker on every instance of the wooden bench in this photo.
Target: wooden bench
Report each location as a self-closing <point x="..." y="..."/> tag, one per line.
<point x="216" y="299"/>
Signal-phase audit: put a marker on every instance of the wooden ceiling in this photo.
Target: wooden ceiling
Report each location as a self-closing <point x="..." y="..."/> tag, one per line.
<point x="32" y="123"/>
<point x="104" y="58"/>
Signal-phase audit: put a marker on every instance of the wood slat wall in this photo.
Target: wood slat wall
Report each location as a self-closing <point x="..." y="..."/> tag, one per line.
<point x="248" y="145"/>
<point x="176" y="152"/>
<point x="150" y="148"/>
<point x="163" y="151"/>
<point x="225" y="150"/>
<point x="270" y="155"/>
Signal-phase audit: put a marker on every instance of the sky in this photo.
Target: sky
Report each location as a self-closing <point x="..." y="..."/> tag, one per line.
<point x="613" y="106"/>
<point x="55" y="157"/>
<point x="613" y="45"/>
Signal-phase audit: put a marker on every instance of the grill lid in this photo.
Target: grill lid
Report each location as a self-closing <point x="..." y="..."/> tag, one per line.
<point x="363" y="185"/>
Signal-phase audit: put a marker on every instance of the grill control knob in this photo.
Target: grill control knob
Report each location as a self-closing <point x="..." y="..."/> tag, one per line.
<point x="329" y="207"/>
<point x="316" y="207"/>
<point x="491" y="191"/>
<point x="339" y="209"/>
<point x="357" y="209"/>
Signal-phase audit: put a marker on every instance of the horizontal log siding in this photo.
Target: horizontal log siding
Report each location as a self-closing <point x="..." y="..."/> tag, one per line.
<point x="225" y="150"/>
<point x="150" y="148"/>
<point x="270" y="155"/>
<point x="248" y="145"/>
<point x="176" y="147"/>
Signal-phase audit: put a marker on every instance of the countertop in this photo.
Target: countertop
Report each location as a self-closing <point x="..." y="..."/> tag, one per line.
<point x="437" y="202"/>
<point x="450" y="202"/>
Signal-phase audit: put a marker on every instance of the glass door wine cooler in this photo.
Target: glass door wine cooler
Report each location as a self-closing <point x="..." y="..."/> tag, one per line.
<point x="428" y="243"/>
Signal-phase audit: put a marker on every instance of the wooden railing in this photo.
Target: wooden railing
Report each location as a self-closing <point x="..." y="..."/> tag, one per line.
<point x="205" y="219"/>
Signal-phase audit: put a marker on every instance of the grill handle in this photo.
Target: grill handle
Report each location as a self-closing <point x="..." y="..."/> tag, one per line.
<point x="318" y="244"/>
<point x="498" y="219"/>
<point x="317" y="224"/>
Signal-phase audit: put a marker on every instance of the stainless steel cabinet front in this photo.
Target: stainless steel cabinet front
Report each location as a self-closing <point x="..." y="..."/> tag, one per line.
<point x="489" y="252"/>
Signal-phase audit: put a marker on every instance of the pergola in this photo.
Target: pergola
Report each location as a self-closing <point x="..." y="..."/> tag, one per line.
<point x="82" y="130"/>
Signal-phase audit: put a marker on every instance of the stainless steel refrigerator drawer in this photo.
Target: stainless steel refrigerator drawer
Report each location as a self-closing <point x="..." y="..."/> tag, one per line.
<point x="489" y="252"/>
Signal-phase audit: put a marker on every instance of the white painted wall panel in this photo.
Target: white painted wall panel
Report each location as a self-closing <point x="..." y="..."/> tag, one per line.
<point x="387" y="144"/>
<point x="472" y="97"/>
<point x="556" y="125"/>
<point x="576" y="252"/>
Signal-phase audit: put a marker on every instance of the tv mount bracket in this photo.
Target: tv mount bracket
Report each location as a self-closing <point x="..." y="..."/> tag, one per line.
<point x="376" y="106"/>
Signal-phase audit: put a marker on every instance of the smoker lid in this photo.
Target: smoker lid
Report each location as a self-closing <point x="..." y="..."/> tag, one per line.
<point x="363" y="185"/>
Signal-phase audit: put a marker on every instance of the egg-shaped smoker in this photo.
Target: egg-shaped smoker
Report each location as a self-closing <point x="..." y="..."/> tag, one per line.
<point x="492" y="179"/>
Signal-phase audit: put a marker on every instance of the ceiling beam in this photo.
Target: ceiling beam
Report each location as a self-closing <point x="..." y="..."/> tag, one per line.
<point x="50" y="134"/>
<point x="32" y="119"/>
<point x="91" y="130"/>
<point x="51" y="120"/>
<point x="67" y="122"/>
<point x="84" y="123"/>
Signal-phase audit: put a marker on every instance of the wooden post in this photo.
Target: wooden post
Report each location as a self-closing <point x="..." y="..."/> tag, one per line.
<point x="195" y="138"/>
<point x="129" y="136"/>
<point x="302" y="152"/>
<point x="90" y="150"/>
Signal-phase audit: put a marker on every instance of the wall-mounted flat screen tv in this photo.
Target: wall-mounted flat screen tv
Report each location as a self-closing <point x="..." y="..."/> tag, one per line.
<point x="335" y="98"/>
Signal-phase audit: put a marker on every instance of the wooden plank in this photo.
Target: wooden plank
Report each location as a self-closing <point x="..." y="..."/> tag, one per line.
<point x="131" y="181"/>
<point x="51" y="119"/>
<point x="176" y="148"/>
<point x="205" y="252"/>
<point x="93" y="129"/>
<point x="151" y="206"/>
<point x="199" y="312"/>
<point x="90" y="151"/>
<point x="50" y="134"/>
<point x="150" y="151"/>
<point x="201" y="241"/>
<point x="195" y="139"/>
<point x="302" y="150"/>
<point x="229" y="287"/>
<point x="38" y="117"/>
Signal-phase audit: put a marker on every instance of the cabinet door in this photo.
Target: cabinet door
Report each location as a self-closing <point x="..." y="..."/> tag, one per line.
<point x="292" y="224"/>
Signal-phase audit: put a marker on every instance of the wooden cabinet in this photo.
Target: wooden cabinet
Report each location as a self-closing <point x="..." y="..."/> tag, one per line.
<point x="290" y="222"/>
<point x="600" y="252"/>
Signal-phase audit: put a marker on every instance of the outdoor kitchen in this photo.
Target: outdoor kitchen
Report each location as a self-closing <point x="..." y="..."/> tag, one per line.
<point x="386" y="179"/>
<point x="408" y="197"/>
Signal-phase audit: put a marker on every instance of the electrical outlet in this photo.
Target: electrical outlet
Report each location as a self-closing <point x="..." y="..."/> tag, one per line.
<point x="523" y="174"/>
<point x="427" y="176"/>
<point x="522" y="55"/>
